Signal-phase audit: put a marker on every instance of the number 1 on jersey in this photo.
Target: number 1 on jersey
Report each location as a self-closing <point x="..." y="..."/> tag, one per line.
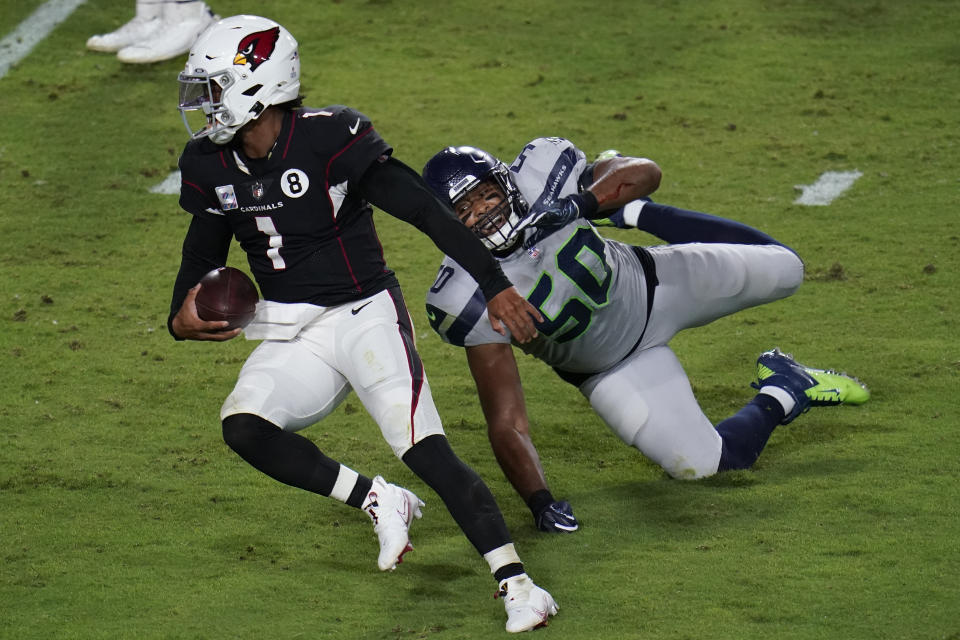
<point x="265" y="224"/>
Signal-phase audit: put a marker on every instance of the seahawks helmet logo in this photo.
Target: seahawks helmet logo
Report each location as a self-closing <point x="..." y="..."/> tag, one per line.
<point x="256" y="48"/>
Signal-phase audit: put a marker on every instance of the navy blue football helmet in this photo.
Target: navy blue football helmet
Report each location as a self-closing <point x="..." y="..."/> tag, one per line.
<point x="456" y="171"/>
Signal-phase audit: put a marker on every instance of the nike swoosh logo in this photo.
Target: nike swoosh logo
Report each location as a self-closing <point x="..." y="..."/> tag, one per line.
<point x="357" y="310"/>
<point x="355" y="128"/>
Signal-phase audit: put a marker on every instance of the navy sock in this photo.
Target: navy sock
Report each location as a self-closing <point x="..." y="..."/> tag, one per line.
<point x="678" y="226"/>
<point x="746" y="432"/>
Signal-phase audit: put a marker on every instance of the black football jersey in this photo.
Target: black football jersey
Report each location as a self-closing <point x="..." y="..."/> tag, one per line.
<point x="308" y="234"/>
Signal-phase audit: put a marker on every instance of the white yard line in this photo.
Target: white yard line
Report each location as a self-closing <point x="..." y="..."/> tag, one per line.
<point x="827" y="188"/>
<point x="169" y="186"/>
<point x="18" y="43"/>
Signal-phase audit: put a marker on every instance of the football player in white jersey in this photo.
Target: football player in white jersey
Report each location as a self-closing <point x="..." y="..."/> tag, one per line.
<point x="610" y="309"/>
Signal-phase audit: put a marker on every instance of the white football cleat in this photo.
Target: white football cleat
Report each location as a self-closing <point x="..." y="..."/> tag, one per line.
<point x="144" y="25"/>
<point x="528" y="606"/>
<point x="391" y="508"/>
<point x="181" y="24"/>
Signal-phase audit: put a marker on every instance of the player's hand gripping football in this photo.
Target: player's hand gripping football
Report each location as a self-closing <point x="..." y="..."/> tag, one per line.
<point x="187" y="324"/>
<point x="513" y="310"/>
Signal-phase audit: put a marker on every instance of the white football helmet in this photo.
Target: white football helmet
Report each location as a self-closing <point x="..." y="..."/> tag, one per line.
<point x="237" y="68"/>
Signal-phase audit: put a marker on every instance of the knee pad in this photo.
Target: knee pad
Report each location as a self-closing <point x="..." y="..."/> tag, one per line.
<point x="617" y="403"/>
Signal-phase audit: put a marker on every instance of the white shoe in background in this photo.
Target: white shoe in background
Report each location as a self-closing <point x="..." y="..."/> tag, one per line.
<point x="181" y="23"/>
<point x="143" y="26"/>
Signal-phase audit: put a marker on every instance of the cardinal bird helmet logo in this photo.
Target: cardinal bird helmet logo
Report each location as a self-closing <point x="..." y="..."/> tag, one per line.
<point x="256" y="48"/>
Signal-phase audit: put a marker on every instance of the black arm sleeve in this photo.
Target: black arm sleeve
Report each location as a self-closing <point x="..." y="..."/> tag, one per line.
<point x="400" y="191"/>
<point x="205" y="248"/>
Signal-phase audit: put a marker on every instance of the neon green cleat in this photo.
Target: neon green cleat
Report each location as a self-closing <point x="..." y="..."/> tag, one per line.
<point x="606" y="155"/>
<point x="809" y="387"/>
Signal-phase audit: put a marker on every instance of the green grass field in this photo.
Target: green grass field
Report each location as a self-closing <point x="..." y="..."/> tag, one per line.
<point x="123" y="515"/>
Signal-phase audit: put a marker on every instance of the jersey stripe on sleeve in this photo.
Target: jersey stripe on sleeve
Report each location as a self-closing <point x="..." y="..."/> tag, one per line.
<point x="454" y="329"/>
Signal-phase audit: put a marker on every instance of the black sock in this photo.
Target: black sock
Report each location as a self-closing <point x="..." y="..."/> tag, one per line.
<point x="360" y="491"/>
<point x="745" y="433"/>
<point x="508" y="571"/>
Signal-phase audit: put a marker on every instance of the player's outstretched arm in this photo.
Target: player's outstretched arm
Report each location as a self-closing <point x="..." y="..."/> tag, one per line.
<point x="401" y="192"/>
<point x="495" y="373"/>
<point x="619" y="180"/>
<point x="187" y="324"/>
<point x="513" y="310"/>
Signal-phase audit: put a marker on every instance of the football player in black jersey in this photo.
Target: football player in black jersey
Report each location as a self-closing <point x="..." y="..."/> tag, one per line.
<point x="294" y="186"/>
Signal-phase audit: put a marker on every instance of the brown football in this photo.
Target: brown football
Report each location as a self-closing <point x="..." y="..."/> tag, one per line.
<point x="227" y="294"/>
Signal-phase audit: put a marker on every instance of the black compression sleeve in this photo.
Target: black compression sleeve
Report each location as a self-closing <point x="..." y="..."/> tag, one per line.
<point x="400" y="191"/>
<point x="466" y="496"/>
<point x="205" y="248"/>
<point x="283" y="455"/>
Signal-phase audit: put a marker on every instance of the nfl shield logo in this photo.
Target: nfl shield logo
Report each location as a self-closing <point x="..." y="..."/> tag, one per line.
<point x="227" y="196"/>
<point x="257" y="190"/>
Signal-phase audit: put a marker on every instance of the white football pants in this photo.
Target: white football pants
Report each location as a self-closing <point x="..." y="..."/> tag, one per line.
<point x="646" y="399"/>
<point x="296" y="382"/>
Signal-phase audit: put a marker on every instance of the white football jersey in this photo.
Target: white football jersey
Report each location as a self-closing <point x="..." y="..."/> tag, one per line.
<point x="571" y="275"/>
<point x="548" y="169"/>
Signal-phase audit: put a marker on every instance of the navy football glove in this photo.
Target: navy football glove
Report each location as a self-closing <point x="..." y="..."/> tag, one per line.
<point x="557" y="517"/>
<point x="562" y="213"/>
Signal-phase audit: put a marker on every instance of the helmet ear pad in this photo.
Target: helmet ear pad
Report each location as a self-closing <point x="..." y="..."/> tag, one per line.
<point x="456" y="171"/>
<point x="254" y="63"/>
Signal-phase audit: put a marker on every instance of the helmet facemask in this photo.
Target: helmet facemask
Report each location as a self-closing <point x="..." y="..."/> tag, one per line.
<point x="456" y="172"/>
<point x="202" y="108"/>
<point x="497" y="226"/>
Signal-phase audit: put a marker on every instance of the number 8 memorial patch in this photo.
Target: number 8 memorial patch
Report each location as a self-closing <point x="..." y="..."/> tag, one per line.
<point x="294" y="183"/>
